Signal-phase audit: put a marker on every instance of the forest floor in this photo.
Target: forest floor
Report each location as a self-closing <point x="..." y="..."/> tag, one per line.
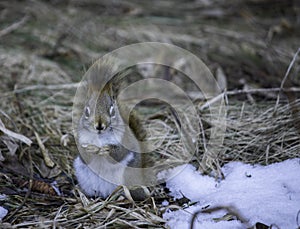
<point x="47" y="46"/>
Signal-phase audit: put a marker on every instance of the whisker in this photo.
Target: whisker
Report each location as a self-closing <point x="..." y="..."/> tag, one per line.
<point x="118" y="129"/>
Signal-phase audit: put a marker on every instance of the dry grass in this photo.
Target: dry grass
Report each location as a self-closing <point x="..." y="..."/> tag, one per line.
<point x="254" y="134"/>
<point x="37" y="90"/>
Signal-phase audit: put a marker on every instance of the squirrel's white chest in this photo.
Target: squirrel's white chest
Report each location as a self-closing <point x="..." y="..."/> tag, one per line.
<point x="91" y="183"/>
<point x="94" y="184"/>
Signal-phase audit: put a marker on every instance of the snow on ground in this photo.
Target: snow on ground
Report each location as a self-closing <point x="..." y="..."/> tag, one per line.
<point x="266" y="194"/>
<point x="3" y="213"/>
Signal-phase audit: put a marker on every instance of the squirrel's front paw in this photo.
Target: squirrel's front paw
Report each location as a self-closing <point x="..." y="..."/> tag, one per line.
<point x="104" y="150"/>
<point x="90" y="148"/>
<point x="96" y="150"/>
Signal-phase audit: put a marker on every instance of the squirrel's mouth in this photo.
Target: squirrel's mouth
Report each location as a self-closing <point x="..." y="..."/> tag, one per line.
<point x="102" y="139"/>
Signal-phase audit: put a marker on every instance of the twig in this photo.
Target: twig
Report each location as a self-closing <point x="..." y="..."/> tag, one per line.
<point x="28" y="191"/>
<point x="285" y="78"/>
<point x="248" y="91"/>
<point x="230" y="209"/>
<point x="43" y="87"/>
<point x="211" y="101"/>
<point x="14" y="135"/>
<point x="45" y="153"/>
<point x="262" y="90"/>
<point x="14" y="26"/>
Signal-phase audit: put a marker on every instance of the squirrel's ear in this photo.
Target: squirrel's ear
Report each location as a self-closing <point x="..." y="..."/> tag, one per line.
<point x="112" y="95"/>
<point x="110" y="89"/>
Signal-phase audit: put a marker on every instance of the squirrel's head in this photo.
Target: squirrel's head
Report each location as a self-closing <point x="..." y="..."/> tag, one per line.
<point x="101" y="111"/>
<point x="101" y="123"/>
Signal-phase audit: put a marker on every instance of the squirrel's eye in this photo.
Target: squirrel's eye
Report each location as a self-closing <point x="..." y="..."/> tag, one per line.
<point x="87" y="112"/>
<point x="112" y="111"/>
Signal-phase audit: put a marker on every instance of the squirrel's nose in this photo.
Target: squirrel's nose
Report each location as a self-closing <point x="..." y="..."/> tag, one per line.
<point x="103" y="126"/>
<point x="100" y="126"/>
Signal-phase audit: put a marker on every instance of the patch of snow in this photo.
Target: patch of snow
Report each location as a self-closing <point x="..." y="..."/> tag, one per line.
<point x="3" y="212"/>
<point x="165" y="203"/>
<point x="266" y="194"/>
